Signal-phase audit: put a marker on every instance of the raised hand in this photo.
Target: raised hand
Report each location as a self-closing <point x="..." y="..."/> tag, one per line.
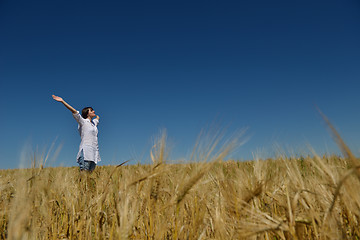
<point x="59" y="99"/>
<point x="56" y="98"/>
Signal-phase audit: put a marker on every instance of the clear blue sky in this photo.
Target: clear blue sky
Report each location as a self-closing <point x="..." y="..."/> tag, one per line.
<point x="180" y="65"/>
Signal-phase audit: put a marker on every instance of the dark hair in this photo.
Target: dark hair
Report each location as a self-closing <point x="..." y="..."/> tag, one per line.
<point x="85" y="111"/>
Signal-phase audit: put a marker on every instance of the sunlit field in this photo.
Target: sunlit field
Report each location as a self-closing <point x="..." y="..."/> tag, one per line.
<point x="284" y="198"/>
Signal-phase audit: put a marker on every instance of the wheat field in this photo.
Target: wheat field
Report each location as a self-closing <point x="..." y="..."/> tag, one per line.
<point x="210" y="198"/>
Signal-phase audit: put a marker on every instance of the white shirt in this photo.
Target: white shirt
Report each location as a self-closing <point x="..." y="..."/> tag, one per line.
<point x="89" y="140"/>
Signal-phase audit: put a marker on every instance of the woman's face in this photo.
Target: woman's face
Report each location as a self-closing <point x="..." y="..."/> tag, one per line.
<point x="91" y="113"/>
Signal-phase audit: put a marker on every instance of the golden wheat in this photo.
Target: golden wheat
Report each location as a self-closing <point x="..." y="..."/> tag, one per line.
<point x="311" y="198"/>
<point x="209" y="198"/>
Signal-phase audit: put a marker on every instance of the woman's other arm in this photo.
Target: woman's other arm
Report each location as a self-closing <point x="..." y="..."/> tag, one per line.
<point x="59" y="99"/>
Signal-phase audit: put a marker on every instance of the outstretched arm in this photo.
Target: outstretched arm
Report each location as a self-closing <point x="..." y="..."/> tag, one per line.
<point x="59" y="99"/>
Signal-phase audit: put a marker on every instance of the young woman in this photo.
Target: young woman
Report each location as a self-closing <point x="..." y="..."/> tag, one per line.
<point x="88" y="155"/>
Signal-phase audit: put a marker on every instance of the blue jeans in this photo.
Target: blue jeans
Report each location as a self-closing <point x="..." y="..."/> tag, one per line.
<point x="86" y="165"/>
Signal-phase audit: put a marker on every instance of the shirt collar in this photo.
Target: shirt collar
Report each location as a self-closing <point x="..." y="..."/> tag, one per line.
<point x="92" y="122"/>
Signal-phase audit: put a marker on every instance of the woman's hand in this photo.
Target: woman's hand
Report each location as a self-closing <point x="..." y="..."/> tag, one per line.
<point x="59" y="99"/>
<point x="56" y="98"/>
